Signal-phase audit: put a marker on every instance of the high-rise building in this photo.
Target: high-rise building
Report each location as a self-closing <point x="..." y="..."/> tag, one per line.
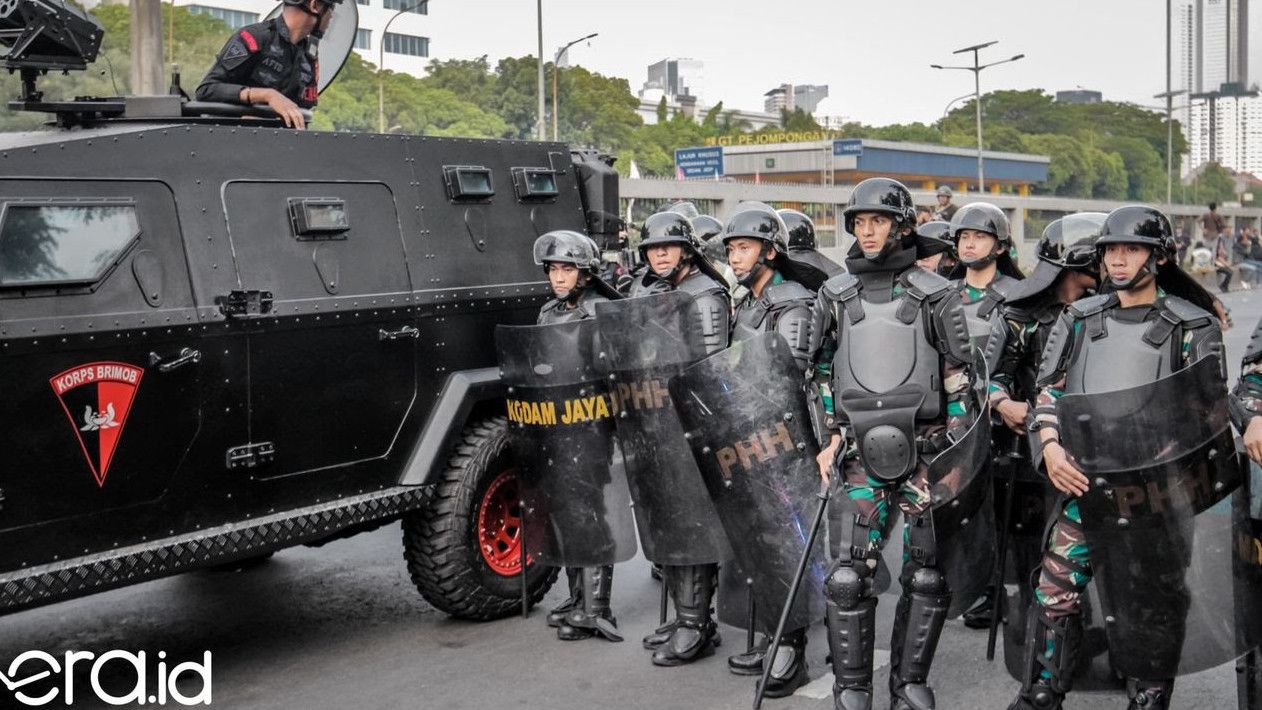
<point x="1219" y="42"/>
<point x="1079" y="96"/>
<point x="794" y="96"/>
<point x="675" y="78"/>
<point x="1229" y="133"/>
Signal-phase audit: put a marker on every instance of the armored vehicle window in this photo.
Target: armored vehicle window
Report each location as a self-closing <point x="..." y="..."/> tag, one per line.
<point x="319" y="218"/>
<point x="49" y="244"/>
<point x="468" y="182"/>
<point x="534" y="183"/>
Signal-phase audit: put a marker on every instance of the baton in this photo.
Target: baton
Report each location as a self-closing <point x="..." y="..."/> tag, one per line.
<point x="1014" y="453"/>
<point x="774" y="642"/>
<point x="525" y="587"/>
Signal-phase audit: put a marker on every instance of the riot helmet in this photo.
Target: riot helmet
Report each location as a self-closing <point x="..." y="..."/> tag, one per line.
<point x="565" y="246"/>
<point x="981" y="217"/>
<point x="1069" y="242"/>
<point x="326" y="6"/>
<point x="706" y="227"/>
<point x="710" y="233"/>
<point x="933" y="237"/>
<point x="1137" y="224"/>
<point x="685" y="208"/>
<point x="756" y="220"/>
<point x="801" y="230"/>
<point x="944" y="191"/>
<point x="885" y="196"/>
<point x="670" y="227"/>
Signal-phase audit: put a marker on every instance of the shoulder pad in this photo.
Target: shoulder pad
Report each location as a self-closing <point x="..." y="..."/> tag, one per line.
<point x="782" y="293"/>
<point x="1185" y="311"/>
<point x="698" y="283"/>
<point x="587" y="304"/>
<point x="834" y="287"/>
<point x="1003" y="286"/>
<point x="1091" y="305"/>
<point x="927" y="282"/>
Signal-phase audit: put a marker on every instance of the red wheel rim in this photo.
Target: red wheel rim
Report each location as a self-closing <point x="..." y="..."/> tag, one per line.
<point x="499" y="525"/>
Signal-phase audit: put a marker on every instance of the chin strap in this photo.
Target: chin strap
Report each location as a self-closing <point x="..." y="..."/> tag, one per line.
<point x="1149" y="268"/>
<point x="984" y="261"/>
<point x="755" y="272"/>
<point x="573" y="294"/>
<point x="319" y="16"/>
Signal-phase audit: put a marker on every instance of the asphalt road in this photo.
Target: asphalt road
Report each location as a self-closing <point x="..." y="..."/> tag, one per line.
<point x="341" y="627"/>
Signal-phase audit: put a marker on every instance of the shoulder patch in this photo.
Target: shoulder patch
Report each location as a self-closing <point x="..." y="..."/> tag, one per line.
<point x="834" y="287"/>
<point x="927" y="282"/>
<point x="1090" y="305"/>
<point x="249" y="41"/>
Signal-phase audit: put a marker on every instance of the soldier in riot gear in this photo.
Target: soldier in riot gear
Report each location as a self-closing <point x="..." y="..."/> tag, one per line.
<point x="985" y="271"/>
<point x="780" y="293"/>
<point x="1067" y="270"/>
<point x="675" y="262"/>
<point x="935" y="250"/>
<point x="903" y="406"/>
<point x="1133" y="335"/>
<point x="571" y="262"/>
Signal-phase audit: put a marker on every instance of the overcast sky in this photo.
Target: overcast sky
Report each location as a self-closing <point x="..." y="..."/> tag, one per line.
<point x="874" y="56"/>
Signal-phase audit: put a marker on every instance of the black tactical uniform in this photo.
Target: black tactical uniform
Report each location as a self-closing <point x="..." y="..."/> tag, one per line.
<point x="261" y="55"/>
<point x="574" y="618"/>
<point x="693" y="633"/>
<point x="900" y="403"/>
<point x="933" y="238"/>
<point x="1097" y="346"/>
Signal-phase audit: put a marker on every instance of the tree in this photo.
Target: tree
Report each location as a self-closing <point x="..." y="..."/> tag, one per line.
<point x="1213" y="183"/>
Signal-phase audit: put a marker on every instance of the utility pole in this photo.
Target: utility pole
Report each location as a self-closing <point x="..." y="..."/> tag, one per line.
<point x="977" y="95"/>
<point x="556" y="73"/>
<point x="541" y="126"/>
<point x="146" y="48"/>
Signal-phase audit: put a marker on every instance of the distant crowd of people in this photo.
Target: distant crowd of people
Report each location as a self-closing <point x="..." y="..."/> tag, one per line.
<point x="1221" y="250"/>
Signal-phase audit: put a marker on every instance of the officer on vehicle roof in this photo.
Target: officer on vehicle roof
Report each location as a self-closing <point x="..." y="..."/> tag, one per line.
<point x="273" y="62"/>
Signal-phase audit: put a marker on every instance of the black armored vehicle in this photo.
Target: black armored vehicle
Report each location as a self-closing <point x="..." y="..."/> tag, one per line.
<point x="221" y="337"/>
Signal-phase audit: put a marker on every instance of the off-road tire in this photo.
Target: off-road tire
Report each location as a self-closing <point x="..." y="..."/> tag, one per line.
<point x="441" y="543"/>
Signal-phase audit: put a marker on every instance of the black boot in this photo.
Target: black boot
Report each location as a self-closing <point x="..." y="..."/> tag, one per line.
<point x="748" y="662"/>
<point x="1149" y="694"/>
<point x="557" y="616"/>
<point x="918" y="621"/>
<point x="595" y="618"/>
<point x="695" y="635"/>
<point x="659" y="636"/>
<point x="978" y="615"/>
<point x="851" y="622"/>
<point x="788" y="670"/>
<point x="1047" y="680"/>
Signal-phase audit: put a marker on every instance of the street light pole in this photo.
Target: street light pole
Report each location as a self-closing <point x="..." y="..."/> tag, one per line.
<point x="541" y="131"/>
<point x="556" y="72"/>
<point x="1169" y="97"/>
<point x="381" y="65"/>
<point x="977" y="96"/>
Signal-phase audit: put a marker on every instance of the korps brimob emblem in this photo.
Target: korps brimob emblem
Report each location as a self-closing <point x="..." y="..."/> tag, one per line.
<point x="97" y="398"/>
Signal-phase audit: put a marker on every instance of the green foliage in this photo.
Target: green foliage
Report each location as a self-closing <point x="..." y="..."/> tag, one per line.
<point x="1214" y="183"/>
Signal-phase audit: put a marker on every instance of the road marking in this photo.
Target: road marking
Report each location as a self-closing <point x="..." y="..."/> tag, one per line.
<point x="822" y="688"/>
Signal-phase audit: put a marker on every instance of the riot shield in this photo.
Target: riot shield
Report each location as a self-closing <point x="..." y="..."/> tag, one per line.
<point x="643" y="343"/>
<point x="963" y="510"/>
<point x="1166" y="521"/>
<point x="577" y="507"/>
<point x="744" y="411"/>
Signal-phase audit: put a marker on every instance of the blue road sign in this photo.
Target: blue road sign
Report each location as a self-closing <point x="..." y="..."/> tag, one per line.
<point x="848" y="146"/>
<point x="704" y="162"/>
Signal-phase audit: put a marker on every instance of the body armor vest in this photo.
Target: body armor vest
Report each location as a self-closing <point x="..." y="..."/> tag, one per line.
<point x="1117" y="354"/>
<point x="887" y="374"/>
<point x="760" y="315"/>
<point x="554" y="311"/>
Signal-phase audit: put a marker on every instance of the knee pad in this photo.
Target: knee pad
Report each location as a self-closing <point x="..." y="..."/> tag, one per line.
<point x="848" y="585"/>
<point x="928" y="580"/>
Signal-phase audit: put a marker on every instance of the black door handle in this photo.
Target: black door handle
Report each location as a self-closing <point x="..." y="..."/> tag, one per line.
<point x="186" y="356"/>
<point x="407" y="331"/>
